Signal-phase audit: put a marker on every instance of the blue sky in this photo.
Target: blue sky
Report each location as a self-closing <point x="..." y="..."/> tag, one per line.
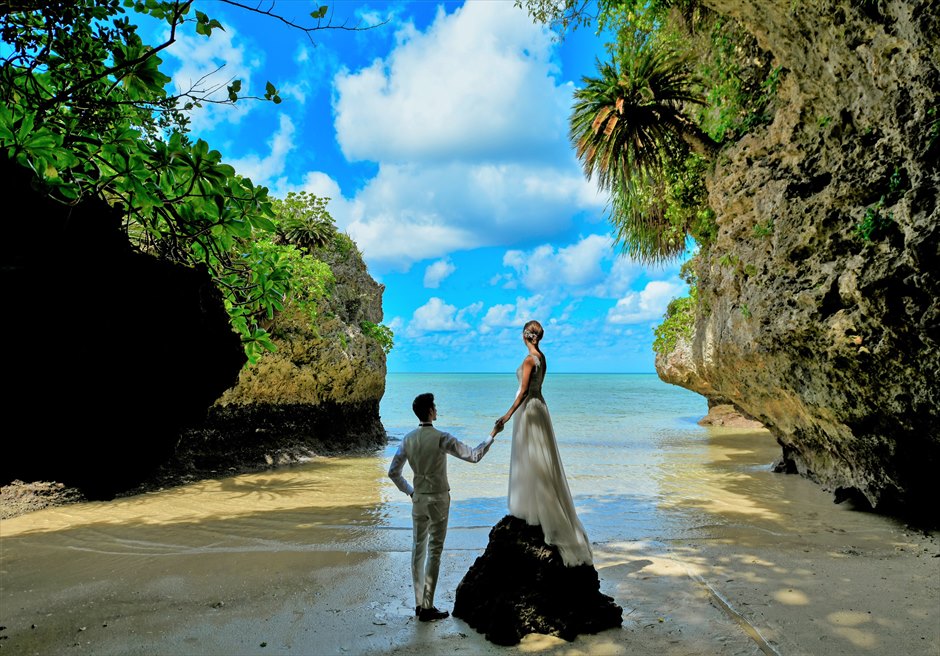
<point x="441" y="139"/>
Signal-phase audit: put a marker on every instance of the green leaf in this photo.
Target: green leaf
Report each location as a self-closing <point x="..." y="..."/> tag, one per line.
<point x="262" y="223"/>
<point x="26" y="127"/>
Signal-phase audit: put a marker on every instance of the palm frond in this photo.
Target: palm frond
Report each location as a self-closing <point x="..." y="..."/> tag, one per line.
<point x="624" y="126"/>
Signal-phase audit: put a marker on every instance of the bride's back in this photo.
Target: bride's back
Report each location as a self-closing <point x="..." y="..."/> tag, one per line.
<point x="536" y="376"/>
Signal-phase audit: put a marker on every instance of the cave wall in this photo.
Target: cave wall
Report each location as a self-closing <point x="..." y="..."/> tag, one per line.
<point x="828" y="339"/>
<point x="109" y="352"/>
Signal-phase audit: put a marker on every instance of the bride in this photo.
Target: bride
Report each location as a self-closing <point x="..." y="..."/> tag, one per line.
<point x="538" y="489"/>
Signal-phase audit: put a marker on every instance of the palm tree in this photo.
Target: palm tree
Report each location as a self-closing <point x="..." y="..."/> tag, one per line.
<point x="627" y="126"/>
<point x="308" y="232"/>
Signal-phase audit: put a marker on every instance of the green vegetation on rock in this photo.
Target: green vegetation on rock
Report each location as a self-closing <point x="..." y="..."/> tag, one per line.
<point x="380" y="333"/>
<point x="679" y="319"/>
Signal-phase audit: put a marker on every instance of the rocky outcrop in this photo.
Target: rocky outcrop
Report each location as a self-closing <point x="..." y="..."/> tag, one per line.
<point x="110" y="352"/>
<point x="679" y="367"/>
<point x="728" y="416"/>
<point x="318" y="393"/>
<point x="520" y="585"/>
<point x="819" y="310"/>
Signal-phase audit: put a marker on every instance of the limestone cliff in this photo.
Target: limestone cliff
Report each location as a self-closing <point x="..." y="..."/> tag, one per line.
<point x="819" y="311"/>
<point x="318" y="393"/>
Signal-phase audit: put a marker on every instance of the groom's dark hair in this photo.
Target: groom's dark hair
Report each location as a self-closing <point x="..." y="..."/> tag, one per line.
<point x="422" y="405"/>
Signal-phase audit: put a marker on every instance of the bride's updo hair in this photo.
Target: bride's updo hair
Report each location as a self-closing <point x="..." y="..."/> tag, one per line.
<point x="533" y="332"/>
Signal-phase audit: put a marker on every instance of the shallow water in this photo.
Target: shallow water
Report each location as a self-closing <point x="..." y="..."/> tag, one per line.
<point x="639" y="467"/>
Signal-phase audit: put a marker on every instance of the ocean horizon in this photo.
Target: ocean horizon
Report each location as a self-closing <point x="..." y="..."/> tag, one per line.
<point x="629" y="443"/>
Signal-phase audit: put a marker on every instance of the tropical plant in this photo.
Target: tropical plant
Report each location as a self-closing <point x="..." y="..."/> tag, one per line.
<point x="564" y="15"/>
<point x="621" y="119"/>
<point x="304" y="221"/>
<point x="628" y="127"/>
<point x="679" y="319"/>
<point x="380" y="333"/>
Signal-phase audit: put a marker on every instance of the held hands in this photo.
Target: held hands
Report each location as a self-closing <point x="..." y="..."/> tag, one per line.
<point x="498" y="426"/>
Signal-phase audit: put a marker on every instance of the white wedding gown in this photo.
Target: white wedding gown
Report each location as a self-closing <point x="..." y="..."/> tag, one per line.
<point x="538" y="489"/>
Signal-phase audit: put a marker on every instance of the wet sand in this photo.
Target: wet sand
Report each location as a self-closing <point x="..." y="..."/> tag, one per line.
<point x="306" y="560"/>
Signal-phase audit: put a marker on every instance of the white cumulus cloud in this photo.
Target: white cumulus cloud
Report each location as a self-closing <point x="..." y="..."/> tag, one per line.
<point x="467" y="121"/>
<point x="515" y="315"/>
<point x="438" y="316"/>
<point x="261" y="169"/>
<point x="548" y="267"/>
<point x="648" y="304"/>
<point x="458" y="90"/>
<point x="436" y="272"/>
<point x="206" y="63"/>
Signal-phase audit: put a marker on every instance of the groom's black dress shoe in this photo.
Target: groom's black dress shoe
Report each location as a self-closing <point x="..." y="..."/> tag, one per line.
<point x="431" y="614"/>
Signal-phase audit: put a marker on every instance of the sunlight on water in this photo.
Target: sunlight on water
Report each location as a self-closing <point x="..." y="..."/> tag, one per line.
<point x="639" y="467"/>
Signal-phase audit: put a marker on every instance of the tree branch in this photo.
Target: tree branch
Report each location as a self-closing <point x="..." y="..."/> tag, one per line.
<point x="65" y="93"/>
<point x="257" y="9"/>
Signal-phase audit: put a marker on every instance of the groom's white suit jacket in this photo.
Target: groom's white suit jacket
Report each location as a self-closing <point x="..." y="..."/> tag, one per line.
<point x="426" y="450"/>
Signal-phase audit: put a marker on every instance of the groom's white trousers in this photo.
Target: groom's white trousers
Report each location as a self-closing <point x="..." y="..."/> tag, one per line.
<point x="429" y="513"/>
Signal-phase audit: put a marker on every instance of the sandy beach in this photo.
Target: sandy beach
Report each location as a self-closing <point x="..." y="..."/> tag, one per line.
<point x="300" y="561"/>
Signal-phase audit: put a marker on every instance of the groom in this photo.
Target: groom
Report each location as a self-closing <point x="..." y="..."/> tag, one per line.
<point x="426" y="450"/>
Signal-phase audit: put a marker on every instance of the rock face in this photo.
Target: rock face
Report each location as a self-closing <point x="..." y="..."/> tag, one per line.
<point x="110" y="352"/>
<point x="318" y="393"/>
<point x="726" y="415"/>
<point x="520" y="585"/>
<point x="679" y="367"/>
<point x="828" y="338"/>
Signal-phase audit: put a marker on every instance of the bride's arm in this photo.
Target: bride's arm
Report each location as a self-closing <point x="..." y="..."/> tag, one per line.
<point x="527" y="365"/>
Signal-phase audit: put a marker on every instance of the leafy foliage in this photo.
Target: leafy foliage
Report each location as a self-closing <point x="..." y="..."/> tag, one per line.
<point x="678" y="323"/>
<point x="877" y="219"/>
<point x="344" y="244"/>
<point x="304" y="221"/>
<point x="561" y="16"/>
<point x="764" y="228"/>
<point x="83" y="104"/>
<point x="680" y="80"/>
<point x="380" y="333"/>
<point x="630" y="131"/>
<point x="679" y="319"/>
<point x="741" y="83"/>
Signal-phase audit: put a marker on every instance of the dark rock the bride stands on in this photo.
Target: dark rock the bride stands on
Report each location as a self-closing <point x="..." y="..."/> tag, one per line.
<point x="520" y="585"/>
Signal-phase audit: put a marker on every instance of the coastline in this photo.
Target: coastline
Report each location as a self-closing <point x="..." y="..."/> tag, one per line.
<point x="313" y="558"/>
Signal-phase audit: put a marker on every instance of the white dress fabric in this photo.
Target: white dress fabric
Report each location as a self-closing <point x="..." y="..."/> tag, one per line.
<point x="538" y="489"/>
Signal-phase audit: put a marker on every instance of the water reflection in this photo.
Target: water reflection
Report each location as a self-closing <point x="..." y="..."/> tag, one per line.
<point x="691" y="482"/>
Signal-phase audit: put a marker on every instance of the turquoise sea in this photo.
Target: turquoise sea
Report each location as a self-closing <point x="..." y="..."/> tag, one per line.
<point x="636" y="459"/>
